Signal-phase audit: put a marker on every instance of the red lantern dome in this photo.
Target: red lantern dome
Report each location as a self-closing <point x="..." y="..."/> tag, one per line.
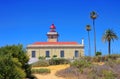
<point x="52" y="26"/>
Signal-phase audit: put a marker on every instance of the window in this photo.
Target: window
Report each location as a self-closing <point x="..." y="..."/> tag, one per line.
<point x="62" y="53"/>
<point x="52" y="37"/>
<point x="33" y="54"/>
<point x="47" y="54"/>
<point x="76" y="53"/>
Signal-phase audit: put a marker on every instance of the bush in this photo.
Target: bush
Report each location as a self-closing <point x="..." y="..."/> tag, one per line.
<point x="104" y="58"/>
<point x="54" y="56"/>
<point x="114" y="56"/>
<point x="53" y="61"/>
<point x="107" y="74"/>
<point x="42" y="58"/>
<point x="117" y="61"/>
<point x="69" y="73"/>
<point x="97" y="59"/>
<point x="98" y="53"/>
<point x="41" y="63"/>
<point x="57" y="61"/>
<point x="40" y="71"/>
<point x="81" y="64"/>
<point x="87" y="58"/>
<point x="110" y="70"/>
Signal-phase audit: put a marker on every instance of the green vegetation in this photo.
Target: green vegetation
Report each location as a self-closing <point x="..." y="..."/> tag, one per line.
<point x="42" y="58"/>
<point x="108" y="74"/>
<point x="90" y="68"/>
<point x="57" y="61"/>
<point x="10" y="68"/>
<point x="110" y="70"/>
<point x="41" y="63"/>
<point x="41" y="71"/>
<point x="13" y="63"/>
<point x="81" y="64"/>
<point x="54" y="56"/>
<point x="101" y="72"/>
<point x="97" y="58"/>
<point x="98" y="53"/>
<point x="109" y="36"/>
<point x="53" y="61"/>
<point x="105" y="58"/>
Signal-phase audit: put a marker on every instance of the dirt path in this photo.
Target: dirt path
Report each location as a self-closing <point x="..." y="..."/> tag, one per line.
<point x="53" y="69"/>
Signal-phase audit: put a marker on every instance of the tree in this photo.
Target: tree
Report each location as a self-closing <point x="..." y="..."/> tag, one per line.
<point x="98" y="53"/>
<point x="93" y="16"/>
<point x="108" y="36"/>
<point x="17" y="52"/>
<point x="10" y="68"/>
<point x="88" y="28"/>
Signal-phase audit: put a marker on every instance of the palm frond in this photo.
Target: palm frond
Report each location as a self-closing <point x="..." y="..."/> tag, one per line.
<point x="109" y="35"/>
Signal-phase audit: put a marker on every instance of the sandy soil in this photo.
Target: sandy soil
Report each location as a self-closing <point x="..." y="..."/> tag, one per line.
<point x="53" y="69"/>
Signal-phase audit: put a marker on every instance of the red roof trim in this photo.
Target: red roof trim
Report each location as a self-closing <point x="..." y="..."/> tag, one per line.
<point x="55" y="43"/>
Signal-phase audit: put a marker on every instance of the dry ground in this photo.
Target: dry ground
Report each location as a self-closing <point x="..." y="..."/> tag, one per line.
<point x="53" y="69"/>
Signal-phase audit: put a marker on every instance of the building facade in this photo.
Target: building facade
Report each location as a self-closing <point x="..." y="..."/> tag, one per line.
<point x="52" y="47"/>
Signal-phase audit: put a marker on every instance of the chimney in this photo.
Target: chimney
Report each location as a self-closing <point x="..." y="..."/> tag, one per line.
<point x="82" y="41"/>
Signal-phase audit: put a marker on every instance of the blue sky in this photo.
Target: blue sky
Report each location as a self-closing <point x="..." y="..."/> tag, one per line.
<point x="28" y="21"/>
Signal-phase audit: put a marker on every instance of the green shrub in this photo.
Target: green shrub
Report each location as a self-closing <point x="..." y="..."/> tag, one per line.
<point x="57" y="61"/>
<point x="42" y="58"/>
<point x="103" y="72"/>
<point x="114" y="56"/>
<point x="81" y="64"/>
<point x="110" y="63"/>
<point x="96" y="59"/>
<point x="41" y="63"/>
<point x="54" y="56"/>
<point x="107" y="74"/>
<point x="104" y="58"/>
<point x="117" y="61"/>
<point x="98" y="53"/>
<point x="53" y="61"/>
<point x="69" y="73"/>
<point x="40" y="71"/>
<point x="87" y="58"/>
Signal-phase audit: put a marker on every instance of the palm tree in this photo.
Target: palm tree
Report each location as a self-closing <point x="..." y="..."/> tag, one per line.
<point x="88" y="28"/>
<point x="108" y="36"/>
<point x="93" y="16"/>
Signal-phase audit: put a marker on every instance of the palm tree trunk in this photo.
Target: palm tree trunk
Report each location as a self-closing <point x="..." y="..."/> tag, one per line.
<point x="94" y="36"/>
<point x="109" y="45"/>
<point x="89" y="44"/>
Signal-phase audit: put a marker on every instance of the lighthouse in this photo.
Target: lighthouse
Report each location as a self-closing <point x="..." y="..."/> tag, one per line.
<point x="52" y="34"/>
<point x="51" y="47"/>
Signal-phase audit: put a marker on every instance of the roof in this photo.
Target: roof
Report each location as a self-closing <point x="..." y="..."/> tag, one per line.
<point x="55" y="43"/>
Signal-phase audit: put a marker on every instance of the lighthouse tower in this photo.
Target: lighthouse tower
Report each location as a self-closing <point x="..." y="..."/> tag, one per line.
<point x="52" y="34"/>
